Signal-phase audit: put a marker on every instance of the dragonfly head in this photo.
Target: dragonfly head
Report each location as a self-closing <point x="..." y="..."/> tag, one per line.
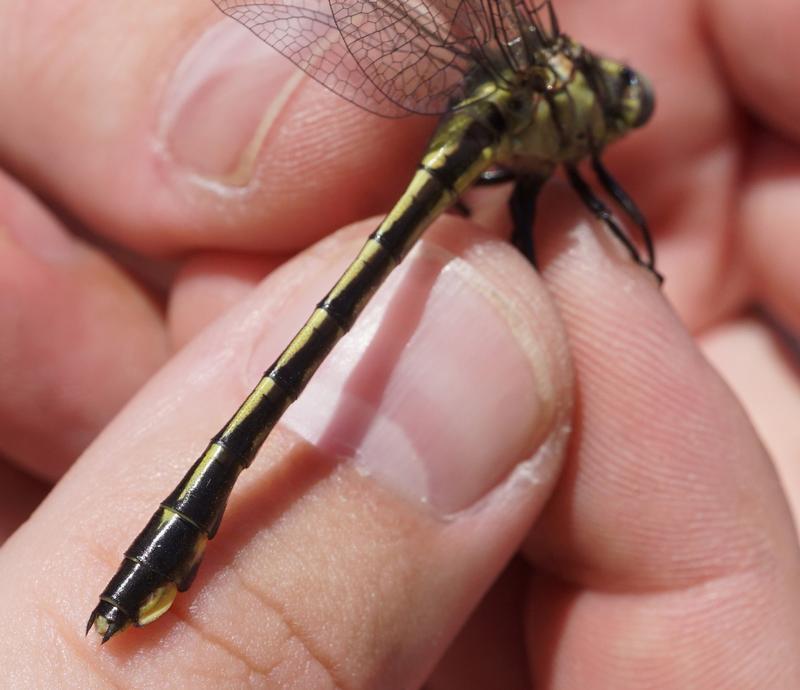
<point x="625" y="95"/>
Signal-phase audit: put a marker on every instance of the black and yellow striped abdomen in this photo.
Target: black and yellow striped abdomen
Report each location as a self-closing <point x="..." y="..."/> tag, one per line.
<point x="165" y="556"/>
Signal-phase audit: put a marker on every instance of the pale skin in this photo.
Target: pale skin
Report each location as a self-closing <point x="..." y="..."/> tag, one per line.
<point x="656" y="548"/>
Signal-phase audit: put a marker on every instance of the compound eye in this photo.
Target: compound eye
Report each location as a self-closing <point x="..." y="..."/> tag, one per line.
<point x="629" y="77"/>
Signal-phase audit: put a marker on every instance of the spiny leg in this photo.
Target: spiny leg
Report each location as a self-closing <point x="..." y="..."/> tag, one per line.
<point x="495" y="176"/>
<point x="523" y="210"/>
<point x="601" y="211"/>
<point x="619" y="195"/>
<point x="488" y="178"/>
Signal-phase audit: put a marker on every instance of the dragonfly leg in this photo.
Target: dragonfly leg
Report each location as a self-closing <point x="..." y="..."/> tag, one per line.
<point x="495" y="176"/>
<point x="601" y="211"/>
<point x="488" y="178"/>
<point x="522" y="205"/>
<point x="619" y="195"/>
<point x="461" y="208"/>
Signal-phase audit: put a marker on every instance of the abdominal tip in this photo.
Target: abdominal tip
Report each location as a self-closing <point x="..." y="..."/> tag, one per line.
<point x="107" y="620"/>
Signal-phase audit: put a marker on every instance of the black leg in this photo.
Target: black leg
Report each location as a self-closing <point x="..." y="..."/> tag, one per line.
<point x="461" y="208"/>
<point x="624" y="200"/>
<point x="523" y="209"/>
<point x="601" y="211"/>
<point x="495" y="176"/>
<point x="488" y="178"/>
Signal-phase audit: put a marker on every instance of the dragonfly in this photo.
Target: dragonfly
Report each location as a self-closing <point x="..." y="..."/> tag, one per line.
<point x="517" y="99"/>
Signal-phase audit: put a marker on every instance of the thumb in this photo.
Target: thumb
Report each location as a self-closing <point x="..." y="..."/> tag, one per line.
<point x="373" y="520"/>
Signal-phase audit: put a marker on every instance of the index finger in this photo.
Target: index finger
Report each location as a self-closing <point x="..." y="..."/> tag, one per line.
<point x="179" y="129"/>
<point x="668" y="540"/>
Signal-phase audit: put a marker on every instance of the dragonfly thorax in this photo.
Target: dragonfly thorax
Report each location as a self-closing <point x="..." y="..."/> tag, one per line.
<point x="566" y="106"/>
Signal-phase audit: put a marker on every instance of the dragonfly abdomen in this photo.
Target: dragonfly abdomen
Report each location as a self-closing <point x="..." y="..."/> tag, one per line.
<point x="165" y="556"/>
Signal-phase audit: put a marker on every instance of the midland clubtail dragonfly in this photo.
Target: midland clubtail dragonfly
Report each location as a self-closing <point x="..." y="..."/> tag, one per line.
<point x="518" y="98"/>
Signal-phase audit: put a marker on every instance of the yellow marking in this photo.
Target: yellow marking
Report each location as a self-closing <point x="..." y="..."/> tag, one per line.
<point x="167" y="514"/>
<point x="101" y="625"/>
<point x="481" y="92"/>
<point x="539" y="144"/>
<point x="482" y="161"/>
<point x="199" y="549"/>
<point x="409" y="198"/>
<point x="414" y="195"/>
<point x="157" y="604"/>
<point x="367" y="254"/>
<point x="211" y="455"/>
<point x="262" y="390"/>
<point x="439" y="157"/>
<point x="317" y="319"/>
<point x="265" y="386"/>
<point x="486" y="158"/>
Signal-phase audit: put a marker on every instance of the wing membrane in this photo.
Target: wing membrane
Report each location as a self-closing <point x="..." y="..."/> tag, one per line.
<point x="309" y="37"/>
<point x="392" y="57"/>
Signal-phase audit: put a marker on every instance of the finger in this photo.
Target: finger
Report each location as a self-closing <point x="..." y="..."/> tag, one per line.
<point x="19" y="495"/>
<point x="393" y="494"/>
<point x="768" y="213"/>
<point x="198" y="134"/>
<point x="489" y="651"/>
<point x="77" y="338"/>
<point x="758" y="46"/>
<point x="207" y="285"/>
<point x="668" y="541"/>
<point x="768" y="388"/>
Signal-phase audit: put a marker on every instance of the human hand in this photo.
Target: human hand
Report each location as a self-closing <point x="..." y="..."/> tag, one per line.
<point x="666" y="527"/>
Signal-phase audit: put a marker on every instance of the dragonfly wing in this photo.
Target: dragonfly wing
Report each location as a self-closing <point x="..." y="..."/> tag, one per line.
<point x="306" y="33"/>
<point x="416" y="52"/>
<point x="420" y="53"/>
<point x="396" y="57"/>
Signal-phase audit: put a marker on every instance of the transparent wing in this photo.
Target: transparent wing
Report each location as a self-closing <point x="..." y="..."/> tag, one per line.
<point x="415" y="52"/>
<point x="393" y="57"/>
<point x="419" y="52"/>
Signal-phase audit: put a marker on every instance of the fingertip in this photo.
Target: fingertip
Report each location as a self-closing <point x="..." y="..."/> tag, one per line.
<point x="661" y="438"/>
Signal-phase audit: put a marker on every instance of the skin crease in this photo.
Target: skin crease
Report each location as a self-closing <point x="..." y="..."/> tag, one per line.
<point x="667" y="541"/>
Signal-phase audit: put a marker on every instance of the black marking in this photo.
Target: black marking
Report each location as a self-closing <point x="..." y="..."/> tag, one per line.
<point x="242" y="439"/>
<point x="344" y="304"/>
<point x="127" y="591"/>
<point x="523" y="211"/>
<point x="397" y="234"/>
<point x="200" y="498"/>
<point x="497" y="121"/>
<point x="164" y="545"/>
<point x="293" y="374"/>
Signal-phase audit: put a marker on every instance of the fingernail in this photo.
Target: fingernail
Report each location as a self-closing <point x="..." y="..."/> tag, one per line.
<point x="221" y="102"/>
<point x="437" y="393"/>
